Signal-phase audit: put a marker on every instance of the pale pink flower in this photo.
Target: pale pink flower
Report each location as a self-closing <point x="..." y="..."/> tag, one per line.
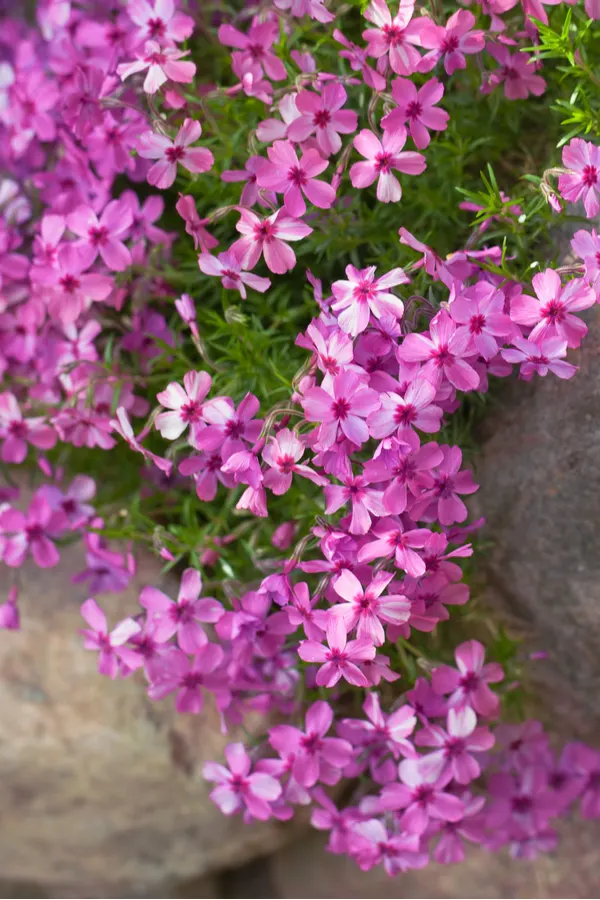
<point x="238" y="788"/>
<point x="391" y="540"/>
<point x="365" y="609"/>
<point x="551" y="314"/>
<point x="313" y="755"/>
<point x="10" y="619"/>
<point x="301" y="613"/>
<point x="227" y="427"/>
<point x="334" y="351"/>
<point x="33" y="531"/>
<point x="467" y="685"/>
<point x="409" y="470"/>
<point x="16" y="432"/>
<point x="275" y="129"/>
<point x="233" y="277"/>
<point x="194" y="225"/>
<point x="450" y="42"/>
<point x="365" y="501"/>
<point x="442" y="352"/>
<point x="98" y="637"/>
<point x="456" y="746"/>
<point x="339" y="659"/>
<point x="418" y="108"/>
<point x="517" y="72"/>
<point x="383" y="157"/>
<point x="582" y="181"/>
<point x="163" y="64"/>
<point x="182" y="617"/>
<point x="312" y="8"/>
<point x="282" y="453"/>
<point x="268" y="236"/>
<point x="160" y="21"/>
<point x="395" y="36"/>
<point x="184" y="404"/>
<point x="256" y="46"/>
<point x="283" y="173"/>
<point x="102" y="235"/>
<point x="363" y="294"/>
<point x="323" y="116"/>
<point x="168" y="153"/>
<point x="422" y="796"/>
<point x="541" y="357"/>
<point x="395" y="852"/>
<point x="342" y="408"/>
<point x="586" y="244"/>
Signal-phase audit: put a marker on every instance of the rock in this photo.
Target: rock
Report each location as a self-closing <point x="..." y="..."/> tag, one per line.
<point x="101" y="792"/>
<point x="539" y="472"/>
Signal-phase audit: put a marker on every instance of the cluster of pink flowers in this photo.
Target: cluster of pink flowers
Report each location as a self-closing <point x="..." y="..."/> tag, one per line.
<point x="360" y="425"/>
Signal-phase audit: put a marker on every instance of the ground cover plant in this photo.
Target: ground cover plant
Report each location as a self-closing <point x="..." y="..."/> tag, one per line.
<point x="259" y="265"/>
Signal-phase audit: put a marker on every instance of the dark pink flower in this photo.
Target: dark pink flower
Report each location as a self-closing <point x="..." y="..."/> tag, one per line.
<point x="365" y="609"/>
<point x="16" y="432"/>
<point x="194" y="225"/>
<point x="238" y="788"/>
<point x="97" y="637"/>
<point x="409" y="471"/>
<point x="163" y="64"/>
<point x="169" y="153"/>
<point x="339" y="659"/>
<point x="189" y="677"/>
<point x="32" y="532"/>
<point x="311" y="751"/>
<point x="402" y="414"/>
<point x="268" y="236"/>
<point x="449" y="482"/>
<point x="395" y="36"/>
<point x="551" y="315"/>
<point x="182" y="617"/>
<point x="392" y="540"/>
<point x="479" y="310"/>
<point x="442" y="352"/>
<point x="468" y="683"/>
<point x="418" y="108"/>
<point x="283" y="173"/>
<point x="390" y="730"/>
<point x="365" y="501"/>
<point x="256" y="46"/>
<point x="323" y="116"/>
<point x="517" y="72"/>
<point x="422" y="797"/>
<point x="70" y="288"/>
<point x="450" y="42"/>
<point x="233" y="277"/>
<point x="184" y="404"/>
<point x="456" y="746"/>
<point x="541" y="357"/>
<point x="383" y="157"/>
<point x="363" y="294"/>
<point x="102" y="235"/>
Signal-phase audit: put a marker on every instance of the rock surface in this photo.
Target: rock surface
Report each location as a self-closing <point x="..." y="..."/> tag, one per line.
<point x="539" y="472"/>
<point x="101" y="792"/>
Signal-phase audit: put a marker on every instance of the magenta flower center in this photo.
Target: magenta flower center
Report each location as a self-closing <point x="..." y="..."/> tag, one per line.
<point x="322" y="118"/>
<point x="239" y="784"/>
<point x="509" y="73"/>
<point x="182" y="612"/>
<point x="256" y="51"/>
<point x="554" y="311"/>
<point x="34" y="532"/>
<point x="214" y="463"/>
<point x="190" y="412"/>
<point x="393" y="35"/>
<point x="286" y="463"/>
<point x="405" y="470"/>
<point x="449" y="44"/>
<point x="414" y="109"/>
<point x="364" y="602"/>
<point x="423" y="794"/>
<point x="383" y="162"/>
<point x="156" y="28"/>
<point x="363" y="292"/>
<point x="18" y="429"/>
<point x="311" y="743"/>
<point x="444" y="486"/>
<point x="522" y="804"/>
<point x="455" y="746"/>
<point x="69" y="506"/>
<point x="70" y="284"/>
<point x="404" y="415"/>
<point x="338" y="657"/>
<point x="98" y="236"/>
<point x="192" y="680"/>
<point x="174" y="154"/>
<point x="234" y="428"/>
<point x="264" y="232"/>
<point x="297" y="176"/>
<point x="589" y="175"/>
<point x="340" y="408"/>
<point x="28" y="107"/>
<point x="330" y="364"/>
<point x="229" y="273"/>
<point x="397" y="539"/>
<point x="442" y="355"/>
<point x="477" y="324"/>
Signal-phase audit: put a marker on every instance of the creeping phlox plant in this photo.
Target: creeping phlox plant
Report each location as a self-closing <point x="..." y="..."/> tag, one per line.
<point x="248" y="251"/>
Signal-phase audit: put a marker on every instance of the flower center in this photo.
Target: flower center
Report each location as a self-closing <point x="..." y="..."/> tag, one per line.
<point x="383" y="162"/>
<point x="70" y="284"/>
<point x="322" y="118"/>
<point x="404" y="415"/>
<point x="470" y="682"/>
<point x="590" y="175"/>
<point x="174" y="154"/>
<point x="263" y="232"/>
<point x="477" y="324"/>
<point x="442" y="355"/>
<point x="311" y="743"/>
<point x="393" y="35"/>
<point x="340" y="408"/>
<point x="98" y="236"/>
<point x="522" y="804"/>
<point x="286" y="463"/>
<point x="156" y="28"/>
<point x="190" y="412"/>
<point x="297" y="176"/>
<point x="414" y="109"/>
<point x="449" y="44"/>
<point x="34" y="532"/>
<point x="18" y="429"/>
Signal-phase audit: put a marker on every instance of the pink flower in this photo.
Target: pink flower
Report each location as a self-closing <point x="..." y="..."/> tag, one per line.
<point x="479" y="310"/>
<point x="364" y="501"/>
<point x="517" y="72"/>
<point x="284" y="174"/>
<point x="391" y="540"/>
<point x="177" y="672"/>
<point x="250" y="193"/>
<point x="228" y="426"/>
<point x="160" y="21"/>
<point x="334" y="351"/>
<point x="301" y="613"/>
<point x="70" y="287"/>
<point x="366" y="609"/>
<point x="184" y="404"/>
<point x="442" y="353"/>
<point x="182" y="618"/>
<point x="357" y="57"/>
<point x="312" y="8"/>
<point x="122" y="426"/>
<point x="456" y="746"/>
<point x="586" y="244"/>
<point x="382" y="158"/>
<point x="282" y="454"/>
<point x="418" y="108"/>
<point x="402" y="414"/>
<point x="340" y="658"/>
<point x="391" y="730"/>
<point x="73" y="502"/>
<point x="206" y="470"/>
<point x="451" y="42"/>
<point x="364" y="294"/>
<point x="163" y="64"/>
<point x="394" y="36"/>
<point x="238" y="788"/>
<point x="97" y="637"/>
<point x="10" y="619"/>
<point x="343" y="408"/>
<point x="468" y="683"/>
<point x="551" y="314"/>
<point x="582" y="181"/>
<point x="396" y="852"/>
<point x="16" y="432"/>
<point x="314" y="755"/>
<point x="32" y="531"/>
<point x="168" y="153"/>
<point x="323" y="116"/>
<point x="102" y="236"/>
<point x="409" y="471"/>
<point x="268" y="236"/>
<point x="256" y="46"/>
<point x="194" y="225"/>
<point x="449" y="482"/>
<point x="233" y="277"/>
<point x="421" y="796"/>
<point x="541" y="357"/>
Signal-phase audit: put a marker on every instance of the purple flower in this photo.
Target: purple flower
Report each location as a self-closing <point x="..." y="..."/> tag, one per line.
<point x="182" y="617"/>
<point x="175" y="671"/>
<point x="397" y="853"/>
<point x="468" y="683"/>
<point x="16" y="432"/>
<point x="33" y="532"/>
<point x="310" y="749"/>
<point x="238" y="788"/>
<point x="450" y="42"/>
<point x="339" y="658"/>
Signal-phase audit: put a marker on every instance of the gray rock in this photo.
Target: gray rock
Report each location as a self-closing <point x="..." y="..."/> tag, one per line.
<point x="101" y="792"/>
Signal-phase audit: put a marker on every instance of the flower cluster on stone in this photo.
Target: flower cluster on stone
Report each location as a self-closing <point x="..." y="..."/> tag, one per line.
<point x="91" y="328"/>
